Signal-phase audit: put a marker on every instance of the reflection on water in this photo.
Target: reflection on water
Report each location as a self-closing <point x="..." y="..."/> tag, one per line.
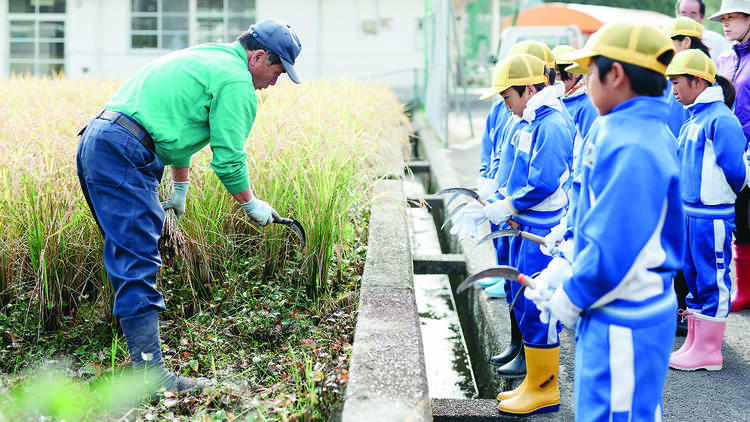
<point x="449" y="373"/>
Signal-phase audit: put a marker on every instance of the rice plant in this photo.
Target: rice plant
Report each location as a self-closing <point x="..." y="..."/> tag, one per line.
<point x="314" y="152"/>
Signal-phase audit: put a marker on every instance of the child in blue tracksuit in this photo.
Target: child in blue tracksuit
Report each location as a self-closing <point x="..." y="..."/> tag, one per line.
<point x="541" y="144"/>
<point x="628" y="232"/>
<point x="711" y="145"/>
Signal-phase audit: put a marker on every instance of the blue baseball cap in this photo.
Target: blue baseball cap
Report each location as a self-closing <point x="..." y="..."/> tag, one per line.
<point x="280" y="38"/>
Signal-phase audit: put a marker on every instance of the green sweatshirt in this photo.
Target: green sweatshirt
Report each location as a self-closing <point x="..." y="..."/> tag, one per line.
<point x="193" y="97"/>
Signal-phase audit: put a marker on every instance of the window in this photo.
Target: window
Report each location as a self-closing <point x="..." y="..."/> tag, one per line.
<point x="175" y="24"/>
<point x="37" y="36"/>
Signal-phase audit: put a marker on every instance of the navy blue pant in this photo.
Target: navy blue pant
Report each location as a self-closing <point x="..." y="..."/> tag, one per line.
<point x="119" y="178"/>
<point x="708" y="254"/>
<point x="529" y="259"/>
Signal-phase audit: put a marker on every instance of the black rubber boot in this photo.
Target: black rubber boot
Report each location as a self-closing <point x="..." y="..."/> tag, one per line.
<point x="681" y="291"/>
<point x="515" y="346"/>
<point x="515" y="368"/>
<point x="142" y="335"/>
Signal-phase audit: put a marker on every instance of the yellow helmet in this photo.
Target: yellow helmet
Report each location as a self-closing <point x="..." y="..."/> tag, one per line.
<point x="631" y="42"/>
<point x="535" y="48"/>
<point x="693" y="62"/>
<point x="559" y="51"/>
<point x="683" y="26"/>
<point x="521" y="69"/>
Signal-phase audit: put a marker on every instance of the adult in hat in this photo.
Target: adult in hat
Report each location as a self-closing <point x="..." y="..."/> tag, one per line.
<point x="713" y="170"/>
<point x="162" y="115"/>
<point x="628" y="239"/>
<point x="734" y="16"/>
<point x="696" y="10"/>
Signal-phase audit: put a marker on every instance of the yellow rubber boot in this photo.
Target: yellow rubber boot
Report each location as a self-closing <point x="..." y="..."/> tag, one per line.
<point x="539" y="392"/>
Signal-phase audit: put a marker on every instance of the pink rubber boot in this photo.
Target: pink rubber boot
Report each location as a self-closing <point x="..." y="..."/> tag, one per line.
<point x="741" y="294"/>
<point x="690" y="315"/>
<point x="706" y="350"/>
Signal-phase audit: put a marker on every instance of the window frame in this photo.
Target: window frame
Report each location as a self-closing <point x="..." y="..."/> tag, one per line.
<point x="37" y="18"/>
<point x="194" y="32"/>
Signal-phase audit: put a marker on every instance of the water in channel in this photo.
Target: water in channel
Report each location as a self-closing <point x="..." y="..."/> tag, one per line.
<point x="449" y="373"/>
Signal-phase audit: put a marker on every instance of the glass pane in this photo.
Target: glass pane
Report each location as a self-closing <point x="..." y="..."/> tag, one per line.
<point x="51" y="6"/>
<point x="174" y="41"/>
<point x="143" y="41"/>
<point x="20" y="6"/>
<point x="50" y="68"/>
<point x="21" y="50"/>
<point x="52" y="50"/>
<point x="143" y="6"/>
<point x="210" y="30"/>
<point x="239" y="25"/>
<point x="175" y="5"/>
<point x="147" y="24"/>
<point x="22" y="29"/>
<point x="242" y="6"/>
<point x="52" y="29"/>
<point x="171" y="23"/>
<point x="210" y="5"/>
<point x="22" y="68"/>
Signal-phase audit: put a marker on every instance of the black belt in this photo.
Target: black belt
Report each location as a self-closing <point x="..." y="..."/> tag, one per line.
<point x="130" y="125"/>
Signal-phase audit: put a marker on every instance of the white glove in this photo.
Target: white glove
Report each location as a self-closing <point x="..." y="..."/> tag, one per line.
<point x="550" y="247"/>
<point x="260" y="212"/>
<point x="486" y="187"/>
<point x="498" y="211"/>
<point x="465" y="222"/>
<point x="561" y="308"/>
<point x="565" y="250"/>
<point x="552" y="277"/>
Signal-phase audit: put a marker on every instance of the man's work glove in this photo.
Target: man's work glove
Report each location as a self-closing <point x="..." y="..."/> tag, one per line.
<point x="551" y="278"/>
<point x="486" y="187"/>
<point x="259" y="212"/>
<point x="554" y="238"/>
<point x="178" y="199"/>
<point x="499" y="211"/>
<point x="465" y="222"/>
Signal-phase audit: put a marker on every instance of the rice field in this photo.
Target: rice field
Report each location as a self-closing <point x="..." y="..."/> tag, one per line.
<point x="314" y="153"/>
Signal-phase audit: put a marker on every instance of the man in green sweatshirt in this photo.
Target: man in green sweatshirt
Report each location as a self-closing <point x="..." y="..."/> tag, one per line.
<point x="165" y="113"/>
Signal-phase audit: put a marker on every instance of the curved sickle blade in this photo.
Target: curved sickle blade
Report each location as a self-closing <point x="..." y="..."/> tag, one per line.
<point x="499" y="233"/>
<point x="503" y="271"/>
<point x="462" y="191"/>
<point x="296" y="226"/>
<point x="452" y="213"/>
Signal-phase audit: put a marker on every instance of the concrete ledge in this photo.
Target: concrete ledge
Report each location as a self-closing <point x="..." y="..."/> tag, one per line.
<point x="452" y="410"/>
<point x="387" y="377"/>
<point x="418" y="166"/>
<point x="439" y="264"/>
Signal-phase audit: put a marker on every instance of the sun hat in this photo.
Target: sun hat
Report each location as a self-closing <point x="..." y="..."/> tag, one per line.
<point x="693" y="62"/>
<point x="281" y="39"/>
<point x="630" y="42"/>
<point x="559" y="51"/>
<point x="518" y="70"/>
<point x="731" y="6"/>
<point x="535" y="48"/>
<point x="683" y="26"/>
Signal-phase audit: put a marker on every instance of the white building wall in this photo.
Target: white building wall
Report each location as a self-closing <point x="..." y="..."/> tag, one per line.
<point x="98" y="40"/>
<point x="335" y="43"/>
<point x="380" y="39"/>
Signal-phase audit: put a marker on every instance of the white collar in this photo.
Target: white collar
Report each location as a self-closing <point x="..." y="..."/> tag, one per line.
<point x="711" y="94"/>
<point x="546" y="97"/>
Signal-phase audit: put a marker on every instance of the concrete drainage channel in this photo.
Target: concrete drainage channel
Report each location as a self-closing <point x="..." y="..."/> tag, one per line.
<point x="420" y="352"/>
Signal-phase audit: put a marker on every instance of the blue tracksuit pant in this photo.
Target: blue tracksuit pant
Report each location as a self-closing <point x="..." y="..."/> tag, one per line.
<point x="119" y="178"/>
<point x="708" y="254"/>
<point x="529" y="259"/>
<point x="502" y="245"/>
<point x="622" y="358"/>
